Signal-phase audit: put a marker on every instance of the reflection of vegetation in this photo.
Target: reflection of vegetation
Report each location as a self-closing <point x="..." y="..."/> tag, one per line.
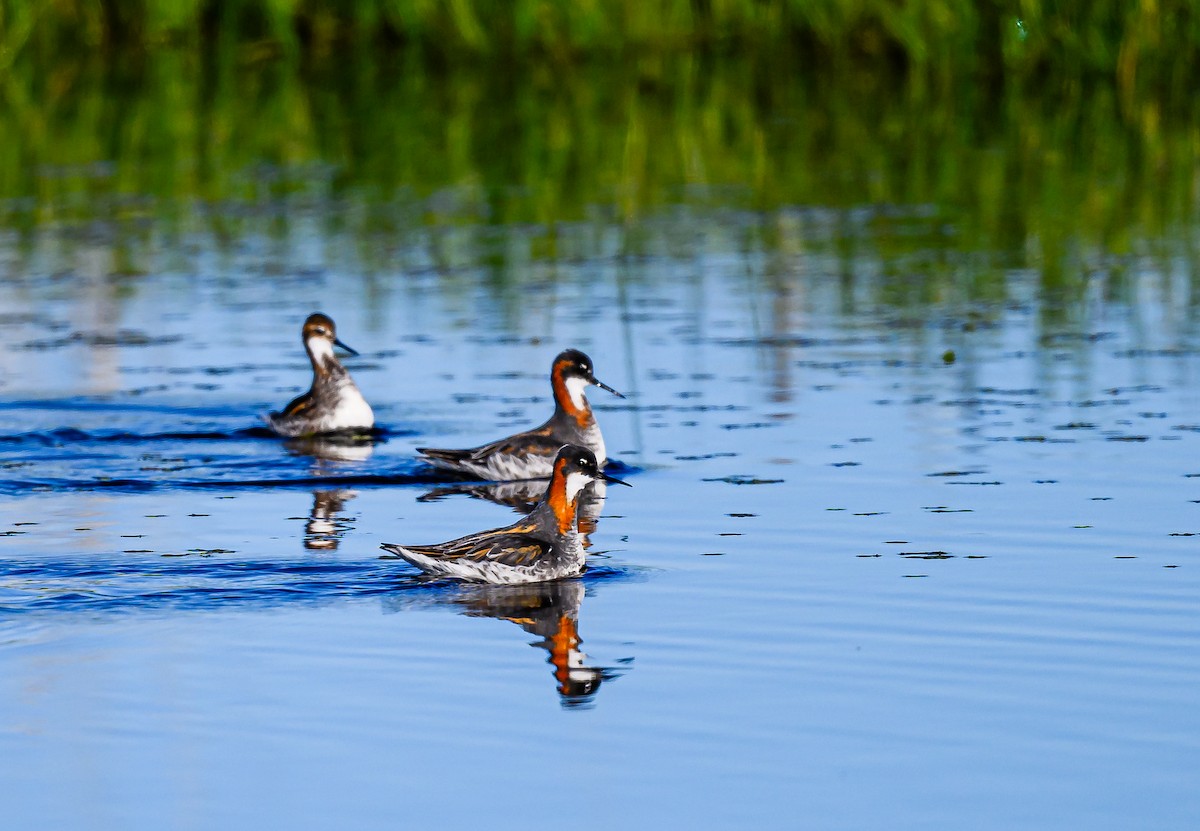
<point x="1053" y="141"/>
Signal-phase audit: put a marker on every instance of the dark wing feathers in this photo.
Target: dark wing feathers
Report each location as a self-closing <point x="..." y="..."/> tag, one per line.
<point x="298" y="404"/>
<point x="521" y="552"/>
<point x="529" y="444"/>
<point x="539" y="441"/>
<point x="448" y="455"/>
<point x="508" y="546"/>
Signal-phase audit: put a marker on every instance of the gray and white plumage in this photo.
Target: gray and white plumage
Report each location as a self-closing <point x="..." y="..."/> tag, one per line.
<point x="333" y="403"/>
<point x="530" y="454"/>
<point x="546" y="545"/>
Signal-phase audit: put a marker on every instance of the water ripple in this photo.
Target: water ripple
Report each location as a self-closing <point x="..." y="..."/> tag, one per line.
<point x="104" y="587"/>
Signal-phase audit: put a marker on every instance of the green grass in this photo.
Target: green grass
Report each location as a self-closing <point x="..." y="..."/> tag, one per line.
<point x="1135" y="43"/>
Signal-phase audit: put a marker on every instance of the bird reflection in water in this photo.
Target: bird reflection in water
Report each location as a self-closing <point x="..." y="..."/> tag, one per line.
<point x="523" y="497"/>
<point x="325" y="526"/>
<point x="549" y="611"/>
<point x="331" y="449"/>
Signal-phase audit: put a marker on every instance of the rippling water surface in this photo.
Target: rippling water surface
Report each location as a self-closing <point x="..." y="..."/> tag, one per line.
<point x="888" y="558"/>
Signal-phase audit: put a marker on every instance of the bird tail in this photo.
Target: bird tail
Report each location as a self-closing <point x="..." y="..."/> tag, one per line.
<point x="425" y="563"/>
<point x="446" y="459"/>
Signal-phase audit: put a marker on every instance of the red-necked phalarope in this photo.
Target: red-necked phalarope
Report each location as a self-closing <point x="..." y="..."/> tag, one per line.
<point x="529" y="455"/>
<point x="333" y="404"/>
<point x="545" y="545"/>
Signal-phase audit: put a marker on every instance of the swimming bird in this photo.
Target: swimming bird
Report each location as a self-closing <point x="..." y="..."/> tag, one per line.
<point x="529" y="455"/>
<point x="545" y="545"/>
<point x="333" y="403"/>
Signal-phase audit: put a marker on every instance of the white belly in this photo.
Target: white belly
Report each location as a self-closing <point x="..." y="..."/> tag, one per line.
<point x="352" y="410"/>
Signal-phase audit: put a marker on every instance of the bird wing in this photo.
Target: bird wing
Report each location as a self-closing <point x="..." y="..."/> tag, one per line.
<point x="540" y="442"/>
<point x="512" y="546"/>
<point x="298" y="404"/>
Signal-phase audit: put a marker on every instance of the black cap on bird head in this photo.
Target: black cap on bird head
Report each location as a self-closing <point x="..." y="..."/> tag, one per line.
<point x="572" y="458"/>
<point x="571" y="363"/>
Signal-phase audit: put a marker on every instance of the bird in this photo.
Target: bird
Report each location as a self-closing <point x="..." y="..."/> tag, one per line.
<point x="529" y="455"/>
<point x="545" y="545"/>
<point x="333" y="403"/>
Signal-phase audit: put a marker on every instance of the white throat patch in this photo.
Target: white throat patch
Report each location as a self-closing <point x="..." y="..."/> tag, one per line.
<point x="575" y="483"/>
<point x="575" y="388"/>
<point x="319" y="348"/>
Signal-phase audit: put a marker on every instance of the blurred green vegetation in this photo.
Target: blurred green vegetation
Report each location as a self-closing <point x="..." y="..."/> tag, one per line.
<point x="1126" y="39"/>
<point x="1048" y="132"/>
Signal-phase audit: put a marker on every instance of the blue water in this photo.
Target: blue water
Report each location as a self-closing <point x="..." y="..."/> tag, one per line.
<point x="884" y="564"/>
